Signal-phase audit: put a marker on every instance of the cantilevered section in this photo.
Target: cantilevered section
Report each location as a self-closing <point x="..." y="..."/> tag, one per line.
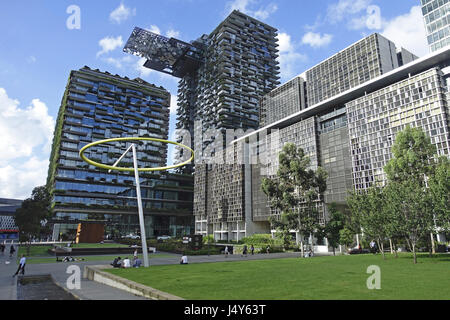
<point x="167" y="55"/>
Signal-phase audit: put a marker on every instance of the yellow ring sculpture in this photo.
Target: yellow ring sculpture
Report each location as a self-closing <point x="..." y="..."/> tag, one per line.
<point x="104" y="166"/>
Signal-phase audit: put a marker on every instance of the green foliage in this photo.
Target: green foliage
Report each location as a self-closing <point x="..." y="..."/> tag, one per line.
<point x="295" y="192"/>
<point x="346" y="236"/>
<point x="439" y="184"/>
<point x="413" y="155"/>
<point x="415" y="196"/>
<point x="208" y="239"/>
<point x="334" y="226"/>
<point x="33" y="212"/>
<point x="260" y="240"/>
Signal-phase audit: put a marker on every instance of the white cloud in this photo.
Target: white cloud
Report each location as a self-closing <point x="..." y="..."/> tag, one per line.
<point x="24" y="134"/>
<point x="139" y="67"/>
<point x="154" y="29"/>
<point x="263" y="14"/>
<point x="109" y="44"/>
<point x="173" y="104"/>
<point x="18" y="181"/>
<point x="173" y="34"/>
<point x="289" y="59"/>
<point x="119" y="63"/>
<point x="121" y="13"/>
<point x="408" y="31"/>
<point x="344" y="8"/>
<point x="316" y="40"/>
<point x="244" y="6"/>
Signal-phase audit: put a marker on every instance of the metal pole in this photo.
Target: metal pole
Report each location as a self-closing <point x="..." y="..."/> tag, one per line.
<point x="139" y="203"/>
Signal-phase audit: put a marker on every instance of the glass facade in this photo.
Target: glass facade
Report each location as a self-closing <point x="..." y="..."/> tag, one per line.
<point x="375" y="119"/>
<point x="436" y="14"/>
<point x="98" y="106"/>
<point x="359" y="63"/>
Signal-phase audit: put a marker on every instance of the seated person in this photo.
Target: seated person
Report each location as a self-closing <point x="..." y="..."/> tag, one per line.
<point x="116" y="263"/>
<point x="184" y="259"/>
<point x="137" y="263"/>
<point x="126" y="263"/>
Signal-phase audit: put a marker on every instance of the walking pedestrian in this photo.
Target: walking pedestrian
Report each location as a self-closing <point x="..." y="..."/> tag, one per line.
<point x="2" y="248"/>
<point x="226" y="251"/>
<point x="244" y="250"/>
<point x="21" y="267"/>
<point x="252" y="249"/>
<point x="11" y="250"/>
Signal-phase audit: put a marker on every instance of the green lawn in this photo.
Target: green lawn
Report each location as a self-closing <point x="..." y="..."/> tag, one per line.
<point x="102" y="259"/>
<point x="35" y="251"/>
<point x="336" y="278"/>
<point x="99" y="245"/>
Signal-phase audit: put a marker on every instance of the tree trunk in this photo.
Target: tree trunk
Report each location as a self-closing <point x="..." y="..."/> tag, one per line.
<point x="301" y="248"/>
<point x="395" y="250"/>
<point x="334" y="251"/>
<point x="414" y="253"/>
<point x="433" y="246"/>
<point x="409" y="244"/>
<point x="382" y="250"/>
<point x="390" y="243"/>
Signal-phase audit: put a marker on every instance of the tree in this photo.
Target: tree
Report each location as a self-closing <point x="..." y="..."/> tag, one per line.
<point x="369" y="208"/>
<point x="439" y="185"/>
<point x="295" y="192"/>
<point x="346" y="236"/>
<point x="407" y="174"/>
<point x="334" y="226"/>
<point x="30" y="217"/>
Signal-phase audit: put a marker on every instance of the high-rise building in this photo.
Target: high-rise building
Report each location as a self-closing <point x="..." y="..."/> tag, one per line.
<point x="223" y="77"/>
<point x="436" y="15"/>
<point x="362" y="61"/>
<point x="223" y="74"/>
<point x="97" y="106"/>
<point x="351" y="134"/>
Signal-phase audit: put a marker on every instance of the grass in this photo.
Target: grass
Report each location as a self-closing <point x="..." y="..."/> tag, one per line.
<point x="99" y="245"/>
<point x="42" y="251"/>
<point x="320" y="278"/>
<point x="109" y="259"/>
<point x="35" y="251"/>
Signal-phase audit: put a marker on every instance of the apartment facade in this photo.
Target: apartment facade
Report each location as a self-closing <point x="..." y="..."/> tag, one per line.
<point x="437" y="23"/>
<point x="351" y="134"/>
<point x="97" y="106"/>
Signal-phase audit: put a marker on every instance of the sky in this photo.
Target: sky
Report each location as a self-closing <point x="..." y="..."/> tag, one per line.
<point x="41" y="41"/>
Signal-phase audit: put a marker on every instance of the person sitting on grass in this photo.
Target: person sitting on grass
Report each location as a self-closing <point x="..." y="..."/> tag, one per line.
<point x="137" y="263"/>
<point x="116" y="263"/>
<point x="184" y="259"/>
<point x="126" y="263"/>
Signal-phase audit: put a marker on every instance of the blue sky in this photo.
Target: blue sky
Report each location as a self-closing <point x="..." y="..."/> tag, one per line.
<point x="38" y="50"/>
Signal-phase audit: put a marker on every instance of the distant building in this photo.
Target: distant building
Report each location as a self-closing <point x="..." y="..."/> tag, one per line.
<point x="437" y="23"/>
<point x="97" y="106"/>
<point x="8" y="227"/>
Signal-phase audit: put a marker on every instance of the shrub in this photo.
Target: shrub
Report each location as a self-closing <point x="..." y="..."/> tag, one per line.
<point x="261" y="240"/>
